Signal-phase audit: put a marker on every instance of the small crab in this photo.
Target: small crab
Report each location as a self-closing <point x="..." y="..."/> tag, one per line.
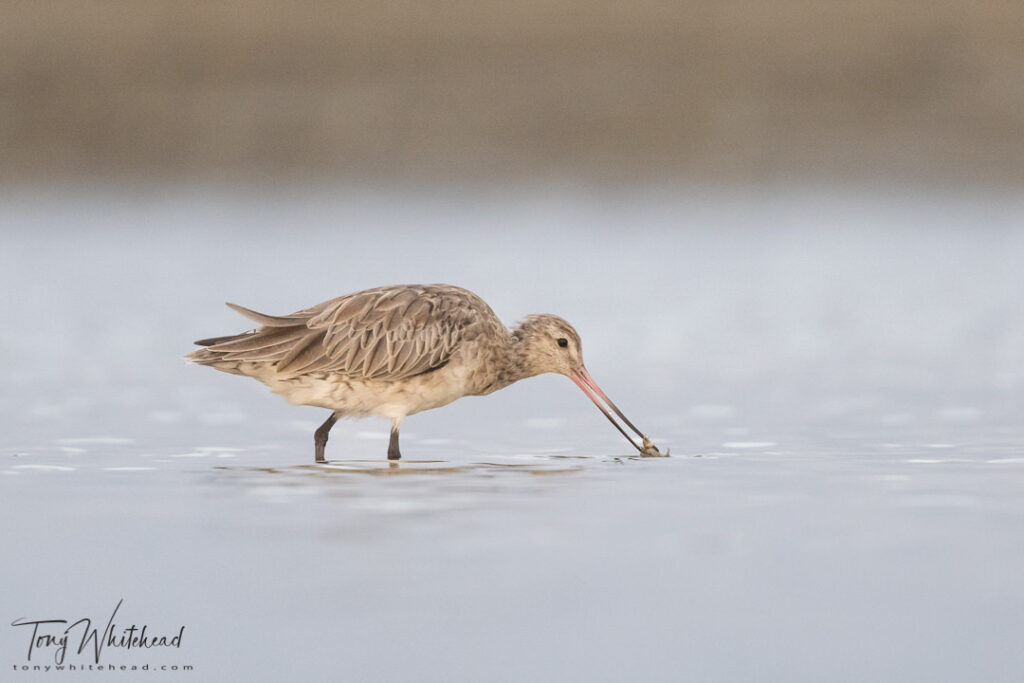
<point x="649" y="450"/>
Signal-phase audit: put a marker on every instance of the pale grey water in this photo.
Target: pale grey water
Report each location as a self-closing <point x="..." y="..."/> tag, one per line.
<point x="838" y="373"/>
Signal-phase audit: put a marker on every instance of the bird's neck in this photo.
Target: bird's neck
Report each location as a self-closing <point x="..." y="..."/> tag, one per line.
<point x="510" y="363"/>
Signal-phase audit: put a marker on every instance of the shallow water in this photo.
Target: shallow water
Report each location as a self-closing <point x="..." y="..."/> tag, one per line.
<point x="843" y="501"/>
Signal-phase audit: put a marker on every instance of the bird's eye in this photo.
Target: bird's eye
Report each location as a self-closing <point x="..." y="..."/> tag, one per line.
<point x="563" y="342"/>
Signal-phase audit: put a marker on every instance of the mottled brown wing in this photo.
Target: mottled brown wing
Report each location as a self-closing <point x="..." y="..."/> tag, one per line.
<point x="389" y="333"/>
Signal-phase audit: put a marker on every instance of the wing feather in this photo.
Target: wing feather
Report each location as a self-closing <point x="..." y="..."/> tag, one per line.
<point x="394" y="333"/>
<point x="387" y="333"/>
<point x="307" y="350"/>
<point x="267" y="320"/>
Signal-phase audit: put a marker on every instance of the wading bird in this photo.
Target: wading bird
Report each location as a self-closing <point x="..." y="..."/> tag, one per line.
<point x="398" y="350"/>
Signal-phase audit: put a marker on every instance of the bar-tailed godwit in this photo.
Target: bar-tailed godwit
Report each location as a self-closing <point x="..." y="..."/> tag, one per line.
<point x="399" y="350"/>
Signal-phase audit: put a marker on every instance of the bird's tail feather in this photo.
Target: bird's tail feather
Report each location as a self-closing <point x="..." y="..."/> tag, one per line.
<point x="271" y="338"/>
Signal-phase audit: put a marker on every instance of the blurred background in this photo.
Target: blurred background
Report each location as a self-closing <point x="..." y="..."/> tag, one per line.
<point x="699" y="90"/>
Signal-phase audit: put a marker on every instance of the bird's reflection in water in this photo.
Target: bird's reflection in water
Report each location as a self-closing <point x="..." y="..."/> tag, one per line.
<point x="347" y="468"/>
<point x="375" y="487"/>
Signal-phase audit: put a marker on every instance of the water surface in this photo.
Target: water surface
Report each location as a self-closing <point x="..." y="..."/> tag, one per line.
<point x="838" y="376"/>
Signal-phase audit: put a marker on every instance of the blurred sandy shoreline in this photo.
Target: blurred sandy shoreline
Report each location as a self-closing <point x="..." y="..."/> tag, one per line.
<point x="405" y="90"/>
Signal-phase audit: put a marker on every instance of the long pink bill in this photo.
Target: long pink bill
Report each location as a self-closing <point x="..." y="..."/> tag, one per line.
<point x="585" y="382"/>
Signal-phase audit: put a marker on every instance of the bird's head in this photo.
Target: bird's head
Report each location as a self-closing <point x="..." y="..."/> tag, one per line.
<point x="549" y="344"/>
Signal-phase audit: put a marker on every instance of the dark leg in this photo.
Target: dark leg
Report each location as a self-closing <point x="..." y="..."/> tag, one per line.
<point x="393" y="452"/>
<point x="320" y="436"/>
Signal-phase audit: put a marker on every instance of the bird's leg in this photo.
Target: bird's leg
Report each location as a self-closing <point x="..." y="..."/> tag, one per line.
<point x="393" y="452"/>
<point x="320" y="436"/>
